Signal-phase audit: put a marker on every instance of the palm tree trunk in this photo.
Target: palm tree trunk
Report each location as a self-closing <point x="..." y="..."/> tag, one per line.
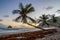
<point x="36" y="26"/>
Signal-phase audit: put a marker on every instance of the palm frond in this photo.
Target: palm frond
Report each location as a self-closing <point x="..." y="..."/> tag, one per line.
<point x="39" y="21"/>
<point x="47" y="24"/>
<point x="15" y="11"/>
<point x="54" y="20"/>
<point x="30" y="10"/>
<point x="41" y="17"/>
<point x="21" y="6"/>
<point x="44" y="17"/>
<point x="31" y="19"/>
<point x="24" y="20"/>
<point x="28" y="6"/>
<point x="17" y="18"/>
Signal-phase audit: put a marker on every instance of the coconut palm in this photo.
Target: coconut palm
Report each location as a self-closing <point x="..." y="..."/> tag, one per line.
<point x="23" y="11"/>
<point x="53" y="18"/>
<point x="43" y="20"/>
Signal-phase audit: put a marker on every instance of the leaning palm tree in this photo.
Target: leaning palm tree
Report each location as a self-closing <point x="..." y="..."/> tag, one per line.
<point x="43" y="20"/>
<point x="23" y="11"/>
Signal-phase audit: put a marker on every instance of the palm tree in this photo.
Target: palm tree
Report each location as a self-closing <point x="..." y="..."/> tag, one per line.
<point x="23" y="11"/>
<point x="43" y="20"/>
<point x="53" y="18"/>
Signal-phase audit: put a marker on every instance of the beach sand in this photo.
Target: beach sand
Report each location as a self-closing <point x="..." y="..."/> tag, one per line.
<point x="55" y="36"/>
<point x="35" y="35"/>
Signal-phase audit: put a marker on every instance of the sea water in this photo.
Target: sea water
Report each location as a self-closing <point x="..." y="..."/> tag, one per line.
<point x="5" y="30"/>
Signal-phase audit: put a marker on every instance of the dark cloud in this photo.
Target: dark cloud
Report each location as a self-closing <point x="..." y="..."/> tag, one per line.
<point x="49" y="7"/>
<point x="14" y="20"/>
<point x="6" y="16"/>
<point x="1" y="20"/>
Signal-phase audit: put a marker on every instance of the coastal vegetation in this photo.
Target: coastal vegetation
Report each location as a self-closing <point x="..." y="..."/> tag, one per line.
<point x="23" y="17"/>
<point x="23" y="11"/>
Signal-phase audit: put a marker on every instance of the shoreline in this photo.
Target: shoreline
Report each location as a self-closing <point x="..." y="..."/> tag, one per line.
<point x="28" y="35"/>
<point x="55" y="36"/>
<point x="21" y="30"/>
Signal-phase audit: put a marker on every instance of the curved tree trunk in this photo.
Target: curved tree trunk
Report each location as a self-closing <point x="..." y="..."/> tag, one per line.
<point x="36" y="26"/>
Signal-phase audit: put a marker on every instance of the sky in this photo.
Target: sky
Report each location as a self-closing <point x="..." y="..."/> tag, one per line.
<point x="41" y="7"/>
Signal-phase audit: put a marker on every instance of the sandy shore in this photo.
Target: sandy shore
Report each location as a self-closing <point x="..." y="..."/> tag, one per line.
<point x="55" y="36"/>
<point x="35" y="35"/>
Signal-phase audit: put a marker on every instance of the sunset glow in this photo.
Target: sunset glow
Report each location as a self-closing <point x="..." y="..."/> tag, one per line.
<point x="17" y="25"/>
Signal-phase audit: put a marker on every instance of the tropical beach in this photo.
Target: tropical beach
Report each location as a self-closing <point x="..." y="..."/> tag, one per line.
<point x="29" y="20"/>
<point x="32" y="35"/>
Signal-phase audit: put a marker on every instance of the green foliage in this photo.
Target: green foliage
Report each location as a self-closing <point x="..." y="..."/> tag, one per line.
<point x="31" y="19"/>
<point x="54" y="20"/>
<point x="18" y="18"/>
<point x="30" y="10"/>
<point x="43" y="19"/>
<point x="21" y="6"/>
<point x="23" y="11"/>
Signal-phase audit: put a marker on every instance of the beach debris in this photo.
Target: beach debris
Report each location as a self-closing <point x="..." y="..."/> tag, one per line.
<point x="9" y="26"/>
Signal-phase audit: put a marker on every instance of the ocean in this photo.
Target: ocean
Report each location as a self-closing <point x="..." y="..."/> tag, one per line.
<point x="5" y="30"/>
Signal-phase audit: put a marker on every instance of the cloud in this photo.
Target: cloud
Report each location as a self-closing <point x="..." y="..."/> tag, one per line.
<point x="1" y="20"/>
<point x="58" y="11"/>
<point x="49" y="8"/>
<point x="6" y="16"/>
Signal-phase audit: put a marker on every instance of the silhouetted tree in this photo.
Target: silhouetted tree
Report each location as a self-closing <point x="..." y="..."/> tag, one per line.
<point x="23" y="11"/>
<point x="43" y="20"/>
<point x="53" y="18"/>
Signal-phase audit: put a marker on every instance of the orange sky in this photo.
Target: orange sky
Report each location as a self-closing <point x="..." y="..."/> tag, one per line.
<point x="16" y="24"/>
